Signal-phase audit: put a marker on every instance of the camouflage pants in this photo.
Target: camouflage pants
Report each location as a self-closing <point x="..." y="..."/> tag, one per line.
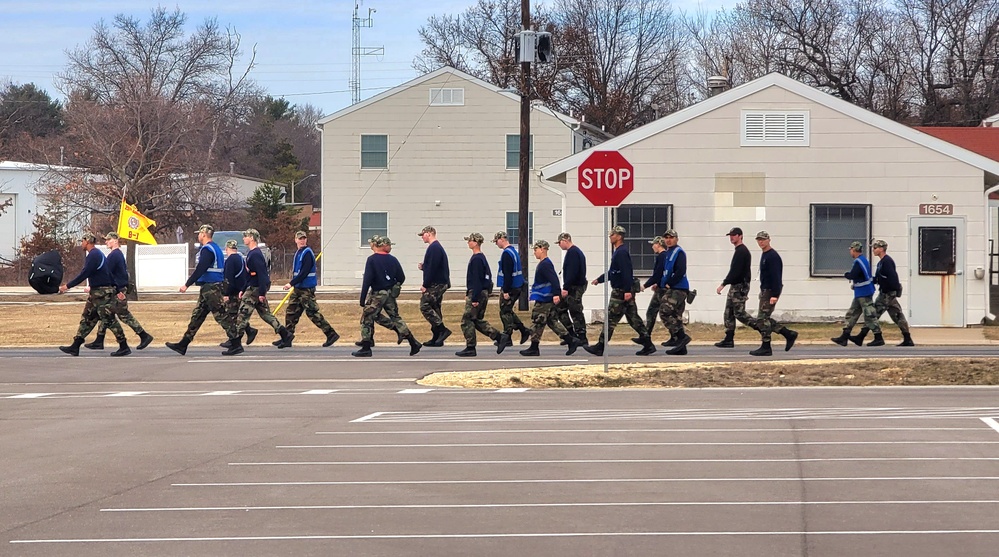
<point x="230" y="311"/>
<point x="249" y="303"/>
<point x="764" y="323"/>
<point x="863" y="305"/>
<point x="430" y="304"/>
<point x="304" y="300"/>
<point x="571" y="311"/>
<point x="508" y="313"/>
<point x="545" y="313"/>
<point x="735" y="307"/>
<point x="888" y="301"/>
<point x="474" y="319"/>
<point x="100" y="308"/>
<point x="618" y="307"/>
<point x="391" y="308"/>
<point x="672" y="303"/>
<point x="209" y="301"/>
<point x="379" y="301"/>
<point x="120" y="310"/>
<point x="652" y="312"/>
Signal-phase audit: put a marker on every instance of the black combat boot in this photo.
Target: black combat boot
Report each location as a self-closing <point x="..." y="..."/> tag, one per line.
<point x="502" y="342"/>
<point x="728" y="341"/>
<point x="98" y="343"/>
<point x="251" y="334"/>
<point x="878" y="340"/>
<point x="532" y="350"/>
<point x="73" y="349"/>
<point x="144" y="340"/>
<point x="671" y="342"/>
<point x="181" y="347"/>
<point x="843" y="338"/>
<point x="235" y="347"/>
<point x="286" y="337"/>
<point x="573" y="343"/>
<point x="364" y="352"/>
<point x="509" y="341"/>
<point x="906" y="340"/>
<point x="467" y="352"/>
<point x="680" y="348"/>
<point x="398" y="337"/>
<point x="648" y="348"/>
<point x="123" y="349"/>
<point x="858" y="338"/>
<point x="525" y="334"/>
<point x="595" y="349"/>
<point x="763" y="350"/>
<point x="331" y="338"/>
<point x="414" y="345"/>
<point x="433" y="339"/>
<point x="361" y="343"/>
<point x="789" y="337"/>
<point x="444" y="333"/>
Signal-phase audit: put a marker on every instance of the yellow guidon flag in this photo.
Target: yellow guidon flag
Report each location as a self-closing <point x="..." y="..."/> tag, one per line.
<point x="133" y="225"/>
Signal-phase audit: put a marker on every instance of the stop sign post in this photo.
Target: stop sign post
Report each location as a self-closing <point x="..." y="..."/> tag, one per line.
<point x="606" y="178"/>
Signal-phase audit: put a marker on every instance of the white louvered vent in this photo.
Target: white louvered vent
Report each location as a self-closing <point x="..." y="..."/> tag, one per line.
<point x="447" y="97"/>
<point x="763" y="128"/>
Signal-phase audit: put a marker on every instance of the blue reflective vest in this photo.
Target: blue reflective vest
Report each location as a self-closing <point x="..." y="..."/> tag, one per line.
<point x="215" y="272"/>
<point x="518" y="275"/>
<point x="310" y="279"/>
<point x="864" y="288"/>
<point x="668" y="272"/>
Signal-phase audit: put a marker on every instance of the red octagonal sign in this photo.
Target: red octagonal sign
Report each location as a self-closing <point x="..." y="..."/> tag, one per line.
<point x="606" y="178"/>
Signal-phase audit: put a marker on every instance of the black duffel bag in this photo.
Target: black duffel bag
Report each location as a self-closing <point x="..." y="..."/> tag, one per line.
<point x="46" y="273"/>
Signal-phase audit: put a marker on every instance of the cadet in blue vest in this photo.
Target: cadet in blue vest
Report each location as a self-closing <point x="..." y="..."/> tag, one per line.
<point x="546" y="293"/>
<point x="236" y="275"/>
<point x="100" y="300"/>
<point x="655" y="302"/>
<point x="510" y="281"/>
<point x="771" y="287"/>
<point x="862" y="282"/>
<point x="673" y="290"/>
<point x="622" y="297"/>
<point x="119" y="272"/>
<point x="382" y="273"/>
<point x="255" y="296"/>
<point x="436" y="281"/>
<point x="478" y="285"/>
<point x="208" y="276"/>
<point x="889" y="289"/>
<point x="303" y="298"/>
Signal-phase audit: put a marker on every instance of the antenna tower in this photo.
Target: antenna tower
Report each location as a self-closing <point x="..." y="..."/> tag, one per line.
<point x="357" y="51"/>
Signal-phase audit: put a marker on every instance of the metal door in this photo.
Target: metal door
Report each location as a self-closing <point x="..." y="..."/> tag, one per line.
<point x="936" y="291"/>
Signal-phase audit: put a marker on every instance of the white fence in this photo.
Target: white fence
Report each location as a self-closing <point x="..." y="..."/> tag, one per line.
<point x="160" y="266"/>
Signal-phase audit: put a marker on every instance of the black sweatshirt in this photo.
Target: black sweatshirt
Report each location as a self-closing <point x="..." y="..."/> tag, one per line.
<point x="740" y="271"/>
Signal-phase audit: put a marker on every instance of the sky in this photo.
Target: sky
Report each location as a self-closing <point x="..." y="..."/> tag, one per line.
<point x="303" y="47"/>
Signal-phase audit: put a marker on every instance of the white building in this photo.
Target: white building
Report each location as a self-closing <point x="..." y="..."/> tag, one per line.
<point x="19" y="184"/>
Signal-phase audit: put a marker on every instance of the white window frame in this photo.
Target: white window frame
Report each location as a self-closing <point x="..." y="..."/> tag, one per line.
<point x="361" y="151"/>
<point x="447" y="96"/>
<point x="838" y="245"/>
<point x="360" y="224"/>
<point x="774" y="128"/>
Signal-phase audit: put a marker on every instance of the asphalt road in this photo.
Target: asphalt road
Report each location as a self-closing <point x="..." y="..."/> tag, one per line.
<point x="312" y="452"/>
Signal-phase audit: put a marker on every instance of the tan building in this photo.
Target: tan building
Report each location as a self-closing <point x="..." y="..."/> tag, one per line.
<point x="817" y="173"/>
<point x="441" y="150"/>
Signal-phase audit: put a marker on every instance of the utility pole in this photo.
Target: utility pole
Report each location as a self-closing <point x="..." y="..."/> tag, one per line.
<point x="525" y="156"/>
<point x="357" y="51"/>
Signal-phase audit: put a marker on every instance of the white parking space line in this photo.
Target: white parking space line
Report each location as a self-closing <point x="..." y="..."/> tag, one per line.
<point x="320" y="391"/>
<point x="512" y="390"/>
<point x="991" y="422"/>
<point x="414" y="391"/>
<point x="220" y="393"/>
<point x="639" y="430"/>
<point x="31" y="395"/>
<point x="618" y="461"/>
<point x="641" y="444"/>
<point x="366" y="418"/>
<point x="127" y="393"/>
<point x="594" y="481"/>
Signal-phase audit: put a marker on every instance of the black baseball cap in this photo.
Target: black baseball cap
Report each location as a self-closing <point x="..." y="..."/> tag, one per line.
<point x="736" y="231"/>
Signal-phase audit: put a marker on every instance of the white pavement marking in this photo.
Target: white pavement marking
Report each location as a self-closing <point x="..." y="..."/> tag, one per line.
<point x="621" y="461"/>
<point x="642" y="444"/>
<point x="641" y="430"/>
<point x="366" y="418"/>
<point x="557" y="505"/>
<point x="220" y="393"/>
<point x="31" y="395"/>
<point x="593" y="480"/>
<point x="320" y="391"/>
<point x="127" y="393"/>
<point x="512" y="390"/>
<point x="414" y="391"/>
<point x="991" y="422"/>
<point x="513" y="535"/>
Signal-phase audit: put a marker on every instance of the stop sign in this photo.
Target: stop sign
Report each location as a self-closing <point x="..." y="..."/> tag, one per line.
<point x="606" y="178"/>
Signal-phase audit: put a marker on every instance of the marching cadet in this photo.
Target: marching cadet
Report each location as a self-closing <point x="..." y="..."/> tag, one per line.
<point x="382" y="272"/>
<point x="862" y="283"/>
<point x="573" y="287"/>
<point x="478" y="285"/>
<point x="208" y="276"/>
<point x="255" y="297"/>
<point x="303" y="298"/>
<point x="622" y="298"/>
<point x="510" y="280"/>
<point x="737" y="279"/>
<point x="436" y="281"/>
<point x="771" y="286"/>
<point x="381" y="318"/>
<point x="100" y="300"/>
<point x="889" y="289"/>
<point x="119" y="272"/>
<point x="545" y="293"/>
<point x="233" y="285"/>
<point x="673" y="291"/>
<point x="655" y="302"/>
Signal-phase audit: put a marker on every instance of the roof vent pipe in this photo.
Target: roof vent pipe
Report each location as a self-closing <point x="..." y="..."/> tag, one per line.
<point x="717" y="84"/>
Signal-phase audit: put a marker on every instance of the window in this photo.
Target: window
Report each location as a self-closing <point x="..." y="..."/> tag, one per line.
<point x="937" y="250"/>
<point x="513" y="151"/>
<point x="833" y="229"/>
<point x="513" y="227"/>
<point x="763" y="128"/>
<point x="643" y="223"/>
<point x="371" y="224"/>
<point x="374" y="151"/>
<point x="447" y="97"/>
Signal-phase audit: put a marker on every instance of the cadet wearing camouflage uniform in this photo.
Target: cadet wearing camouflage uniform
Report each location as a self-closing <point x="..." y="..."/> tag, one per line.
<point x="100" y="301"/>
<point x="652" y="312"/>
<point x="235" y="275"/>
<point x="545" y="293"/>
<point x="382" y="272"/>
<point x="303" y="298"/>
<point x="737" y="279"/>
<point x="478" y="285"/>
<point x="889" y="289"/>
<point x="622" y="297"/>
<point x="771" y="286"/>
<point x="255" y="297"/>
<point x="436" y="281"/>
<point x="208" y="275"/>
<point x="862" y="282"/>
<point x="119" y="272"/>
<point x="510" y="281"/>
<point x="382" y="319"/>
<point x="573" y="287"/>
<point x="673" y="290"/>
